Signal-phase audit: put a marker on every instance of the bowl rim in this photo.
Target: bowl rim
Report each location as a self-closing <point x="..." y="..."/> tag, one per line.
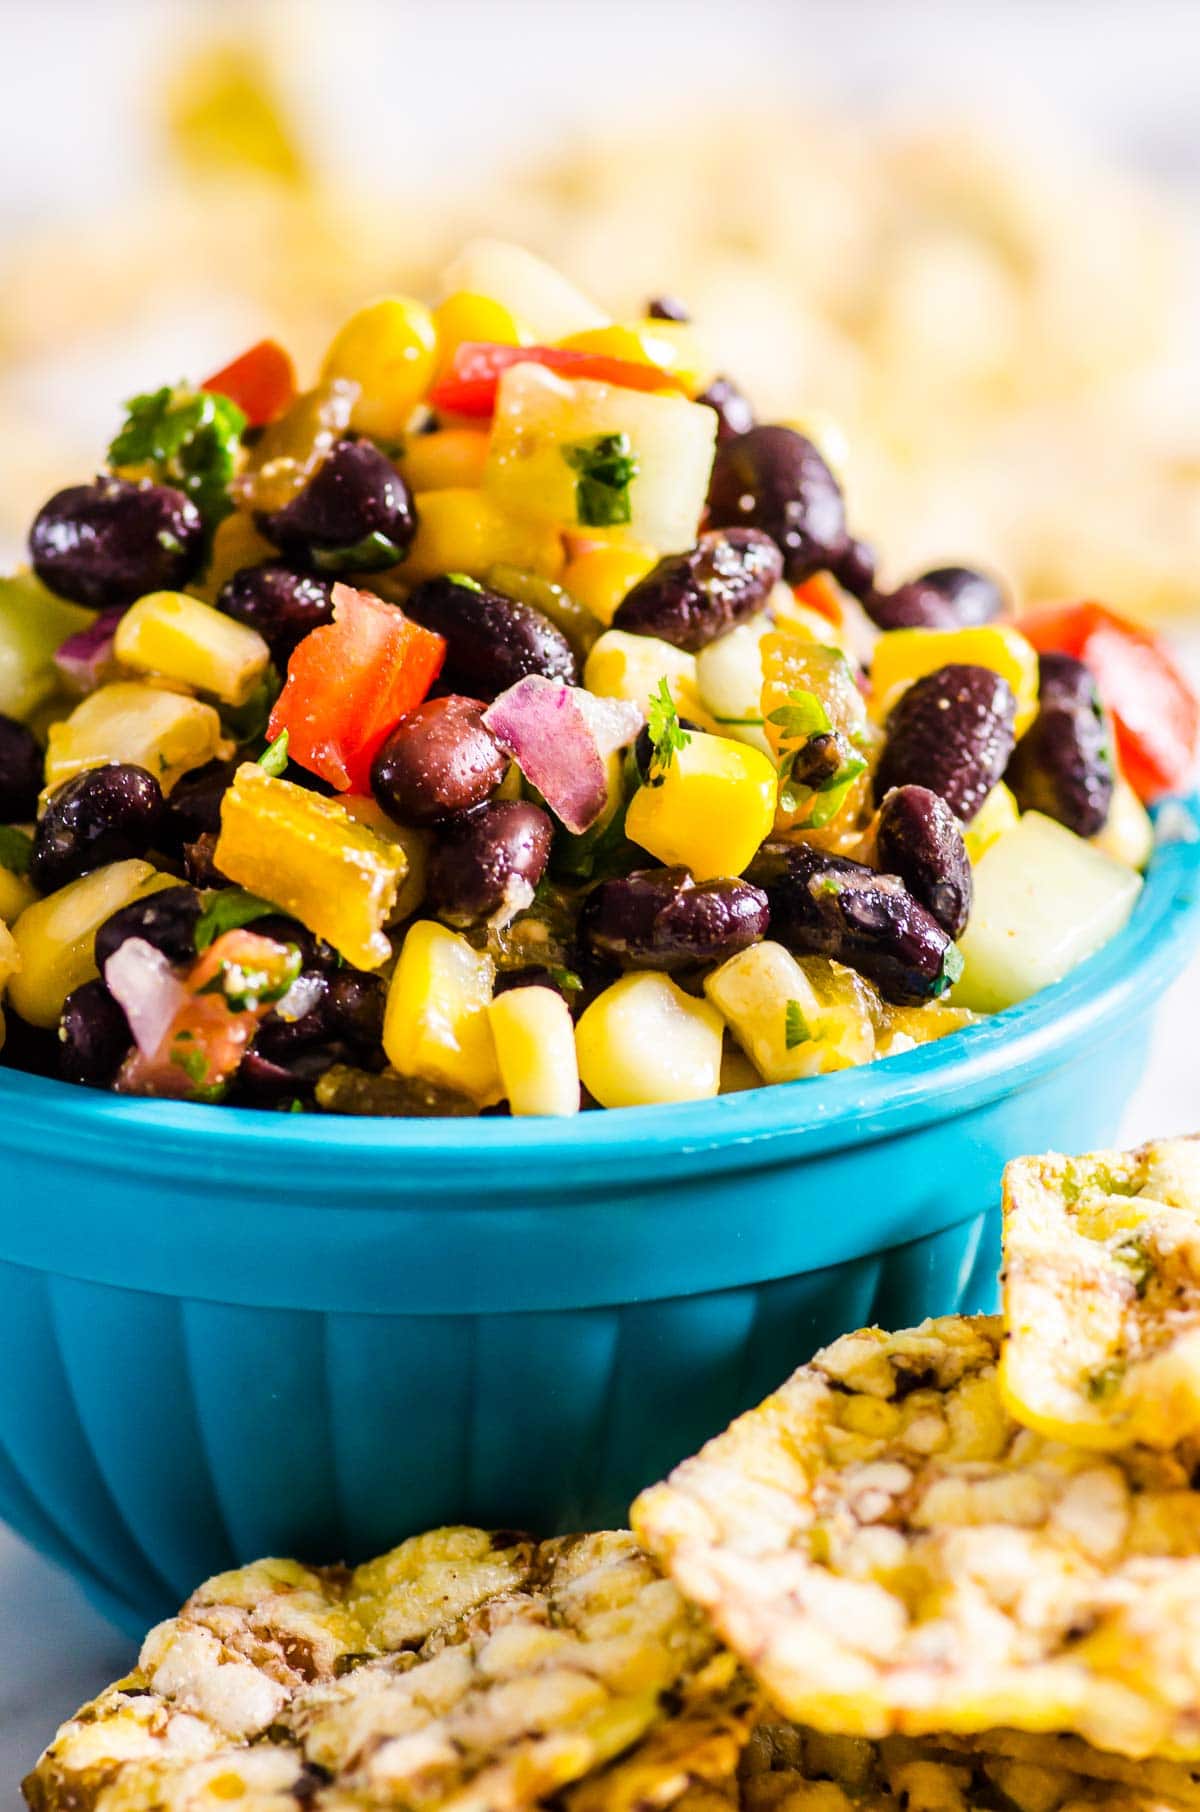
<point x="765" y="1124"/>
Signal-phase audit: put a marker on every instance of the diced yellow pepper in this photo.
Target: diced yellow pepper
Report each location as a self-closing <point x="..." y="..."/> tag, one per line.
<point x="645" y="1041"/>
<point x="16" y="893"/>
<point x="388" y="350"/>
<point x="754" y="992"/>
<point x="904" y="655"/>
<point x="671" y="345"/>
<point x="621" y="665"/>
<point x="467" y="316"/>
<point x="1127" y="833"/>
<point x="167" y="733"/>
<point x="794" y="663"/>
<point x="236" y="543"/>
<point x="182" y="639"/>
<point x="600" y="575"/>
<point x="309" y="857"/>
<point x="535" y="1049"/>
<point x="998" y="813"/>
<point x="911" y="1026"/>
<point x="436" y="1025"/>
<point x="451" y="459"/>
<point x="465" y="531"/>
<point x="415" y="843"/>
<point x="710" y="810"/>
<point x="55" y="936"/>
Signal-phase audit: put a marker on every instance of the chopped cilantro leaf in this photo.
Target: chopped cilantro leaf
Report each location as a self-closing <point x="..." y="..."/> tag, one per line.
<point x="274" y="759"/>
<point x="189" y="1058"/>
<point x="228" y="911"/>
<point x="249" y="986"/>
<point x="796" y="1027"/>
<point x="188" y="438"/>
<point x="607" y="466"/>
<point x="371" y="554"/>
<point x="16" y="848"/>
<point x="667" y="735"/>
<point x="803" y="717"/>
<point x="802" y="721"/>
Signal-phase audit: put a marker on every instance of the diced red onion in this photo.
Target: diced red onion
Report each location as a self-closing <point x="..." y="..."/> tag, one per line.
<point x="560" y="736"/>
<point x="142" y="981"/>
<point x="83" y="657"/>
<point x="300" y="998"/>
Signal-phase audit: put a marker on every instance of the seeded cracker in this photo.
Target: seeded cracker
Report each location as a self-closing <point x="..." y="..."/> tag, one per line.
<point x="888" y="1551"/>
<point x="1102" y="1294"/>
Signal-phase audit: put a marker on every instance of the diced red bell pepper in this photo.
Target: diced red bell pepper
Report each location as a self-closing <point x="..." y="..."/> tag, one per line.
<point x="1155" y="713"/>
<point x="348" y="685"/>
<point x="821" y="593"/>
<point x="469" y="383"/>
<point x="262" y="382"/>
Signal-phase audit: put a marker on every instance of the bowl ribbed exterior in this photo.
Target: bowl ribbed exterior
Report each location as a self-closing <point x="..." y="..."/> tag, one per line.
<point x="224" y="1335"/>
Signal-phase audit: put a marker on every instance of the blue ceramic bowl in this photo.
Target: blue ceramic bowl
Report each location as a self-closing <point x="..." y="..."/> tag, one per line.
<point x="230" y="1333"/>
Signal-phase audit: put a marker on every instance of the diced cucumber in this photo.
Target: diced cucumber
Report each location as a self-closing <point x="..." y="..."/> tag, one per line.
<point x="33" y="622"/>
<point x="730" y="676"/>
<point x="1044" y="900"/>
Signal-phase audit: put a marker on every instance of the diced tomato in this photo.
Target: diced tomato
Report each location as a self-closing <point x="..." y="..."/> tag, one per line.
<point x="349" y="684"/>
<point x="1155" y="713"/>
<point x="468" y="384"/>
<point x="262" y="382"/>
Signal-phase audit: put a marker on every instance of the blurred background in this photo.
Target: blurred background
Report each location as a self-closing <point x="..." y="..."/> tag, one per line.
<point x="969" y="233"/>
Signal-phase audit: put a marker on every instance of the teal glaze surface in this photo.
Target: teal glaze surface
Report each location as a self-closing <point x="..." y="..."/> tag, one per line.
<point x="226" y="1333"/>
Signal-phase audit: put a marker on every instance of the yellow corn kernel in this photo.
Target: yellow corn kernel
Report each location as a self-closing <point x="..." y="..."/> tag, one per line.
<point x="167" y="733"/>
<point x="466" y="316"/>
<point x="754" y="992"/>
<point x="1127" y="833"/>
<point x="601" y="573"/>
<point x="16" y="893"/>
<point x="672" y="346"/>
<point x="236" y="543"/>
<point x="997" y="814"/>
<point x="436" y="1024"/>
<point x="309" y="856"/>
<point x="711" y="809"/>
<point x="415" y="843"/>
<point x="621" y="665"/>
<point x="182" y="639"/>
<point x="534" y="292"/>
<point x="451" y="459"/>
<point x="644" y="1041"/>
<point x="32" y="624"/>
<point x="535" y="1049"/>
<point x="464" y="531"/>
<point x="54" y="936"/>
<point x="388" y="350"/>
<point x="904" y="655"/>
<point x="10" y="962"/>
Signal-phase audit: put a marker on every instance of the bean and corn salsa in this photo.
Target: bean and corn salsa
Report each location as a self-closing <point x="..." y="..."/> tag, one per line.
<point x="511" y="722"/>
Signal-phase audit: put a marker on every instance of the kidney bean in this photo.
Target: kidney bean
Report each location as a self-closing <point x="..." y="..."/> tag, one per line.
<point x="283" y="605"/>
<point x="102" y="815"/>
<point x="476" y="862"/>
<point x="94" y="1036"/>
<point x="918" y="838"/>
<point x="659" y="918"/>
<point x="1063" y="765"/>
<point x="355" y="514"/>
<point x="491" y="641"/>
<point x="952" y="732"/>
<point x="773" y="479"/>
<point x="109" y="542"/>
<point x="695" y="598"/>
<point x="20" y="771"/>
<point x="826" y="905"/>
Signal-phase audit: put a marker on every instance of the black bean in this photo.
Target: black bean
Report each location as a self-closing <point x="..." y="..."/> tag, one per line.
<point x="107" y="543"/>
<point x="947" y="597"/>
<point x="355" y="514"/>
<point x="166" y="919"/>
<point x="659" y="918"/>
<point x="491" y="641"/>
<point x="774" y="479"/>
<point x="825" y="905"/>
<point x="733" y="411"/>
<point x="283" y="605"/>
<point x="193" y="806"/>
<point x="952" y="732"/>
<point x="910" y="607"/>
<point x="668" y="308"/>
<point x="919" y="838"/>
<point x="855" y="568"/>
<point x="200" y="862"/>
<point x="20" y="771"/>
<point x="346" y="1010"/>
<point x="439" y="762"/>
<point x="478" y="862"/>
<point x="102" y="815"/>
<point x="260" y="1082"/>
<point x="695" y="598"/>
<point x="1063" y="765"/>
<point x="94" y="1036"/>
